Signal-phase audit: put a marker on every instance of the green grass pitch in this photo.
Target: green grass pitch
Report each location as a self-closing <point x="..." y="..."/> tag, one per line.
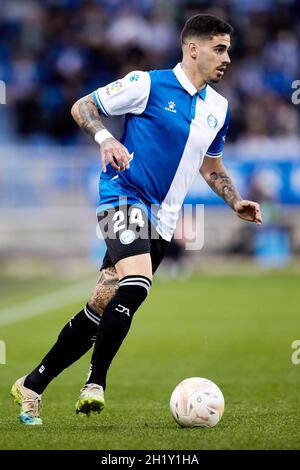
<point x="234" y="330"/>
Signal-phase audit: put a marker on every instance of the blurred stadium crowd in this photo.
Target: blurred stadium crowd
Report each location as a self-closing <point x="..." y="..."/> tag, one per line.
<point x="54" y="51"/>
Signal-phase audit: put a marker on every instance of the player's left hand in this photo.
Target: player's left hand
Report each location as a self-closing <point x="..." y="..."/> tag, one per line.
<point x="249" y="210"/>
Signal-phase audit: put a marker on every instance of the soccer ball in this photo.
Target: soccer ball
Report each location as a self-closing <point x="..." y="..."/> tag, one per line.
<point x="197" y="402"/>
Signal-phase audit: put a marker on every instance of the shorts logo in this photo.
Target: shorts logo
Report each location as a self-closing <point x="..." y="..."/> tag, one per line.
<point x="127" y="237"/>
<point x="212" y="121"/>
<point x="114" y="87"/>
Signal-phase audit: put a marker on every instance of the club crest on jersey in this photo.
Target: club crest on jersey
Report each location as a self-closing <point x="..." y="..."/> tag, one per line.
<point x="212" y="121"/>
<point x="171" y="107"/>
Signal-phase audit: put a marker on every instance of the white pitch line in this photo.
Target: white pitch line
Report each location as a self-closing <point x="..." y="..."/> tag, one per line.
<point x="47" y="302"/>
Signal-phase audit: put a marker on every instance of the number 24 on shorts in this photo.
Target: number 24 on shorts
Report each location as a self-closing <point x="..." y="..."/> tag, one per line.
<point x="135" y="217"/>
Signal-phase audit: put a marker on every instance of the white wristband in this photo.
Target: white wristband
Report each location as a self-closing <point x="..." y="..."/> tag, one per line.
<point x="102" y="135"/>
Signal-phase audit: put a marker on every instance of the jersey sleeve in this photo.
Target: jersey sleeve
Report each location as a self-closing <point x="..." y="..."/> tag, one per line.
<point x="127" y="95"/>
<point x="215" y="149"/>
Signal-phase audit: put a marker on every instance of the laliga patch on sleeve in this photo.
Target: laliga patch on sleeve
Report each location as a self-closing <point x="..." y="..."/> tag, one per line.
<point x="114" y="87"/>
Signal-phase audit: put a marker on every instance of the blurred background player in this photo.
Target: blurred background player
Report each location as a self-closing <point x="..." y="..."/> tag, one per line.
<point x="176" y="125"/>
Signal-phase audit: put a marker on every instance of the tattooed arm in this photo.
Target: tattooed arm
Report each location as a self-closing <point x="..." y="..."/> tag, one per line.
<point x="216" y="176"/>
<point x="86" y="114"/>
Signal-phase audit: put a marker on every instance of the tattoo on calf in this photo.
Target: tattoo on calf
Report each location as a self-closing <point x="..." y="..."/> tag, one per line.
<point x="105" y="289"/>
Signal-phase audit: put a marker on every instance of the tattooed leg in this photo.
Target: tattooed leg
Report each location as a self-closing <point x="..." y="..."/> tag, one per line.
<point x="105" y="289"/>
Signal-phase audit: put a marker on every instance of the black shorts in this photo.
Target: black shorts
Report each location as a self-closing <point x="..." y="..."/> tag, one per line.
<point x="127" y="231"/>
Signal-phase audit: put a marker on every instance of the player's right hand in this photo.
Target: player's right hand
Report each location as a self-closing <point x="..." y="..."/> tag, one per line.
<point x="113" y="152"/>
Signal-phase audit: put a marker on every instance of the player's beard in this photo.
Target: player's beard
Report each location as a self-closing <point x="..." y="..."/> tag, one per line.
<point x="216" y="80"/>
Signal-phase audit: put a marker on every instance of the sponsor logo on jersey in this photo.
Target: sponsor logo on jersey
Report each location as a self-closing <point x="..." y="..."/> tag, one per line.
<point x="134" y="77"/>
<point x="171" y="107"/>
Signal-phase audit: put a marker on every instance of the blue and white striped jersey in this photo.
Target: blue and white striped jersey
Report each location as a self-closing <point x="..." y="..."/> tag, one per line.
<point x="169" y="128"/>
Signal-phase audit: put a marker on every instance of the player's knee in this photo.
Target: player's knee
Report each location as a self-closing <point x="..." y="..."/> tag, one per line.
<point x="106" y="288"/>
<point x="138" y="265"/>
